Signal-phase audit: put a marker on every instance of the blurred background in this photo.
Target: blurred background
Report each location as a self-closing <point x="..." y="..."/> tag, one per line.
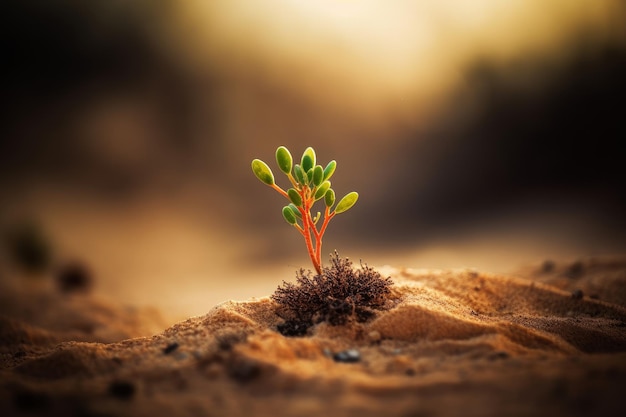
<point x="479" y="134"/>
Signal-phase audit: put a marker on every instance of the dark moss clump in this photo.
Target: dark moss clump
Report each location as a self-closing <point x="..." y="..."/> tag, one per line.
<point x="341" y="293"/>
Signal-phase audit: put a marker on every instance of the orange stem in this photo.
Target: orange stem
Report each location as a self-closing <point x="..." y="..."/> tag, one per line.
<point x="320" y="234"/>
<point x="281" y="191"/>
<point x="308" y="226"/>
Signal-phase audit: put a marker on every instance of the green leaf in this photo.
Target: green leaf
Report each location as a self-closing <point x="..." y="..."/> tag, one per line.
<point x="321" y="191"/>
<point x="307" y="163"/>
<point x="329" y="197"/>
<point x="284" y="159"/>
<point x="300" y="174"/>
<point x="309" y="175"/>
<point x="318" y="175"/>
<point x="294" y="197"/>
<point x="347" y="202"/>
<point x="289" y="215"/>
<point x="295" y="210"/>
<point x="330" y="169"/>
<point x="308" y="159"/>
<point x="262" y="172"/>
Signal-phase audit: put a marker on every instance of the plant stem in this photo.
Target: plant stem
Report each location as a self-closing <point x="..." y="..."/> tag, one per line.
<point x="320" y="234"/>
<point x="281" y="191"/>
<point x="308" y="225"/>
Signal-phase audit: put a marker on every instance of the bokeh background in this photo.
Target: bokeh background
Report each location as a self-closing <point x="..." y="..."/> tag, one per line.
<point x="479" y="134"/>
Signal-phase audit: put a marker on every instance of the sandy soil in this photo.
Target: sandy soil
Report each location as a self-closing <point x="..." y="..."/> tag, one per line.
<point x="549" y="340"/>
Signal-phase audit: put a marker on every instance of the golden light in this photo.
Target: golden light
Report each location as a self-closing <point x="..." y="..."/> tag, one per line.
<point x="368" y="55"/>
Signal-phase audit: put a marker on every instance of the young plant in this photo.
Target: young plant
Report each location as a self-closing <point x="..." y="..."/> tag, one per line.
<point x="310" y="183"/>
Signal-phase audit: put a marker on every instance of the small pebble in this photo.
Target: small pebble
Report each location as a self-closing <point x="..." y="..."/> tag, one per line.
<point x="575" y="270"/>
<point x="170" y="348"/>
<point x="577" y="294"/>
<point x="122" y="389"/>
<point x="74" y="277"/>
<point x="244" y="370"/>
<point x="548" y="266"/>
<point x="347" y="356"/>
<point x="498" y="355"/>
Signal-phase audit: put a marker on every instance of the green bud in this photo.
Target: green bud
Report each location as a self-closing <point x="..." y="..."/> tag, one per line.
<point x="321" y="191"/>
<point x="295" y="210"/>
<point x="289" y="215"/>
<point x="318" y="175"/>
<point x="308" y="159"/>
<point x="300" y="174"/>
<point x="330" y="169"/>
<point x="294" y="197"/>
<point x="284" y="159"/>
<point x="262" y="172"/>
<point x="347" y="202"/>
<point x="329" y="197"/>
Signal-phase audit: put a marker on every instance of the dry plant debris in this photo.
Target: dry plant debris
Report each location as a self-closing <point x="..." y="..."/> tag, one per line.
<point x="339" y="294"/>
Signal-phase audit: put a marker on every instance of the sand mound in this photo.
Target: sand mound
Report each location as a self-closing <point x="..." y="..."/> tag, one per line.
<point x="455" y="343"/>
<point x="70" y="317"/>
<point x="599" y="278"/>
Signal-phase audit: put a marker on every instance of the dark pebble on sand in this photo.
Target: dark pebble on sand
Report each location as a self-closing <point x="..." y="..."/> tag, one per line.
<point x="548" y="266"/>
<point x="498" y="355"/>
<point x="577" y="294"/>
<point x="575" y="270"/>
<point x="244" y="370"/>
<point x="122" y="389"/>
<point x="74" y="277"/>
<point x="170" y="348"/>
<point x="347" y="356"/>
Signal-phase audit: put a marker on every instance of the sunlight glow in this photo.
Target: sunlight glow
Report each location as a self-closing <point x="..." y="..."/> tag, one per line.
<point x="374" y="52"/>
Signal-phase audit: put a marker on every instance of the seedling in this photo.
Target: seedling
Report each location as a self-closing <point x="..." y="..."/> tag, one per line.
<point x="310" y="183"/>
